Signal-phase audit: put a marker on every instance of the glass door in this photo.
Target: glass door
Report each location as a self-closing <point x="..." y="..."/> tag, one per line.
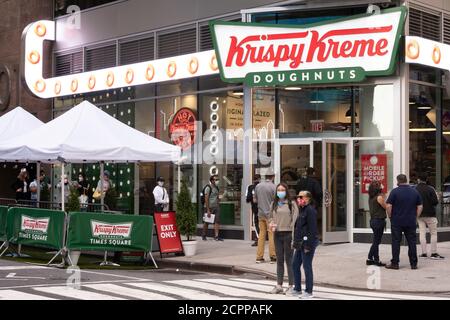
<point x="337" y="190"/>
<point x="293" y="157"/>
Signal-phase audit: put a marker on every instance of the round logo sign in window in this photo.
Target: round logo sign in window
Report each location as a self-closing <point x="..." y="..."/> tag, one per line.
<point x="182" y="128"/>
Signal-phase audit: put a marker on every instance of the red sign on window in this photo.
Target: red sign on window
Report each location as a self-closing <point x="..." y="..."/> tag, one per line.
<point x="182" y="128"/>
<point x="168" y="235"/>
<point x="373" y="168"/>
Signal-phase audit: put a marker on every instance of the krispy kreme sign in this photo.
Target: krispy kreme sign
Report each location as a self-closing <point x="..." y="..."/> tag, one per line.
<point x="35" y="225"/>
<point x="345" y="50"/>
<point x="111" y="230"/>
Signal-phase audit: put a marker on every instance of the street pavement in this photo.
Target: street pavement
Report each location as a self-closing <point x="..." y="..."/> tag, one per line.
<point x="21" y="281"/>
<point x="337" y="265"/>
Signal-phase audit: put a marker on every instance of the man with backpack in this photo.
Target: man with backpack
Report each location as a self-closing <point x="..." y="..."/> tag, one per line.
<point x="428" y="217"/>
<point x="211" y="203"/>
<point x="249" y="197"/>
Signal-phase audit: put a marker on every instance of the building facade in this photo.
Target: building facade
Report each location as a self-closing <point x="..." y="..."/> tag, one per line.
<point x="348" y="132"/>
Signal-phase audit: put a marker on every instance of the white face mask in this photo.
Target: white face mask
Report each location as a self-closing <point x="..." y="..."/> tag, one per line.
<point x="80" y="179"/>
<point x="160" y="183"/>
<point x="66" y="181"/>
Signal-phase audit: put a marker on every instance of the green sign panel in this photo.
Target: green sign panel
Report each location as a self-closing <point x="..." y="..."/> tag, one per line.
<point x="3" y="215"/>
<point x="286" y="78"/>
<point x="109" y="232"/>
<point x="36" y="227"/>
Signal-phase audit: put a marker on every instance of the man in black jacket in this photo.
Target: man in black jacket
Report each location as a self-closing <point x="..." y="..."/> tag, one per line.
<point x="428" y="217"/>
<point x="310" y="183"/>
<point x="249" y="199"/>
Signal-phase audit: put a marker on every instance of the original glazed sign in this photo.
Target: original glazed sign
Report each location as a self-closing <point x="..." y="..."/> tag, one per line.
<point x="174" y="68"/>
<point x="345" y="50"/>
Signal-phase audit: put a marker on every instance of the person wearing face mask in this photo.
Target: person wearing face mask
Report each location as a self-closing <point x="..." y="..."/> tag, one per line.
<point x="212" y="206"/>
<point x="66" y="188"/>
<point x="281" y="221"/>
<point x="83" y="188"/>
<point x="377" y="208"/>
<point x="161" y="196"/>
<point x="305" y="242"/>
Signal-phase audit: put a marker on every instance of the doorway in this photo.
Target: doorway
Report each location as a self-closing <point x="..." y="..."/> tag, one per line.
<point x="332" y="164"/>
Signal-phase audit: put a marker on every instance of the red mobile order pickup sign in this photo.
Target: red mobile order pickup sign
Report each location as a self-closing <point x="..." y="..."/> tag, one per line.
<point x="168" y="235"/>
<point x="374" y="168"/>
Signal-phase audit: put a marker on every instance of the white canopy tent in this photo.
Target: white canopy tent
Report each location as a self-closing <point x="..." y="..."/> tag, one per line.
<point x="17" y="122"/>
<point x="87" y="134"/>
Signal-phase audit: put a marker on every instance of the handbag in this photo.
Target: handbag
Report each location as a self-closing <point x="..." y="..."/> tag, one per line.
<point x="97" y="195"/>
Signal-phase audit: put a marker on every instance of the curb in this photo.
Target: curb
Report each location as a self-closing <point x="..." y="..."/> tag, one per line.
<point x="236" y="270"/>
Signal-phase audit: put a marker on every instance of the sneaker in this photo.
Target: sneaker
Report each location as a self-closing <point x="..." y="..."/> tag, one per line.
<point x="370" y="262"/>
<point x="273" y="260"/>
<point x="277" y="290"/>
<point x="423" y="255"/>
<point x="414" y="267"/>
<point x="307" y="295"/>
<point x="255" y="244"/>
<point x="260" y="260"/>
<point x="290" y="292"/>
<point x="436" y="256"/>
<point x="204" y="238"/>
<point x="392" y="266"/>
<point x="218" y="239"/>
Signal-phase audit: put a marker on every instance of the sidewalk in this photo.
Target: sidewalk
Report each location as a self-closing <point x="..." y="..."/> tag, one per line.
<point x="334" y="265"/>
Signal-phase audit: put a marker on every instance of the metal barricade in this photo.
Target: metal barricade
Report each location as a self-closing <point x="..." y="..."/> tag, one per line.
<point x="7" y="202"/>
<point x="89" y="207"/>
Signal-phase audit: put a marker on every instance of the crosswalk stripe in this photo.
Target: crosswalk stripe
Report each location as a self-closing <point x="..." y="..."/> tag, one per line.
<point x="229" y="290"/>
<point x="76" y="294"/>
<point x="182" y="292"/>
<point x="18" y="295"/>
<point x="267" y="288"/>
<point x="350" y="292"/>
<point x="129" y="292"/>
<point x="8" y="268"/>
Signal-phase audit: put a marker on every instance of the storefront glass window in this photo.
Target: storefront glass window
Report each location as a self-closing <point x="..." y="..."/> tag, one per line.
<point x="373" y="161"/>
<point x="222" y="111"/>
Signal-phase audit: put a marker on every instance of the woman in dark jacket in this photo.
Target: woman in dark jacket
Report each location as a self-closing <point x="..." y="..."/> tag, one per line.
<point x="22" y="186"/>
<point x="306" y="240"/>
<point x="377" y="207"/>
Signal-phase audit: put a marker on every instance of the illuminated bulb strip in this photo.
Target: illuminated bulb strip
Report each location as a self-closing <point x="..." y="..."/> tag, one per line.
<point x="427" y="52"/>
<point x="173" y="68"/>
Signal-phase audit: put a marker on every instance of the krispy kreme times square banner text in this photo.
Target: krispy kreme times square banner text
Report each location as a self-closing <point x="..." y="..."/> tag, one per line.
<point x="344" y="50"/>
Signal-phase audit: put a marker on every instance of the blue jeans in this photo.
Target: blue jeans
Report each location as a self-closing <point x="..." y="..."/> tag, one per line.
<point x="377" y="226"/>
<point x="411" y="238"/>
<point x="300" y="257"/>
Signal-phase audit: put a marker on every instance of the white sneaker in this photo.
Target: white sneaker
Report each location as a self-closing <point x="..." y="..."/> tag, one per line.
<point x="290" y="292"/>
<point x="277" y="290"/>
<point x="307" y="295"/>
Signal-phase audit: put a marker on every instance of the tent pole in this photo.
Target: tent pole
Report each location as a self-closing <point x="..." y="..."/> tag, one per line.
<point x="62" y="187"/>
<point x="102" y="198"/>
<point x="38" y="169"/>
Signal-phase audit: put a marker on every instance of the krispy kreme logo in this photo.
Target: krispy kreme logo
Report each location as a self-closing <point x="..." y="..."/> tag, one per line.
<point x="366" y="43"/>
<point x="34" y="224"/>
<point x="105" y="229"/>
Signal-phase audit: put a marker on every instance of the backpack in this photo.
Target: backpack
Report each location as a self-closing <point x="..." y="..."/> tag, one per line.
<point x="202" y="194"/>
<point x="250" y="191"/>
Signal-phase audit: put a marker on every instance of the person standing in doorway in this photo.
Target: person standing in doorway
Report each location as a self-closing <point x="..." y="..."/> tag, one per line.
<point x="264" y="195"/>
<point x="249" y="198"/>
<point x="305" y="242"/>
<point x="377" y="208"/>
<point x="281" y="221"/>
<point x="428" y="217"/>
<point x="161" y="196"/>
<point x="310" y="183"/>
<point x="403" y="206"/>
<point x="212" y="205"/>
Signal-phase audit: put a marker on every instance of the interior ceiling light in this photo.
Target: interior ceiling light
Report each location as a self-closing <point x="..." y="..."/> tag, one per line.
<point x="293" y="88"/>
<point x="422" y="129"/>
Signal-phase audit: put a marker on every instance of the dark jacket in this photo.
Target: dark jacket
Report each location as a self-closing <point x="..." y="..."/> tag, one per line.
<point x="306" y="226"/>
<point x="429" y="199"/>
<point x="249" y="197"/>
<point x="312" y="185"/>
<point x="21" y="195"/>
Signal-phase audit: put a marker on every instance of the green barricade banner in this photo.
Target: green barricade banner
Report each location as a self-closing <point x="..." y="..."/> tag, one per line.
<point x="3" y="215"/>
<point x="38" y="227"/>
<point x="109" y="232"/>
